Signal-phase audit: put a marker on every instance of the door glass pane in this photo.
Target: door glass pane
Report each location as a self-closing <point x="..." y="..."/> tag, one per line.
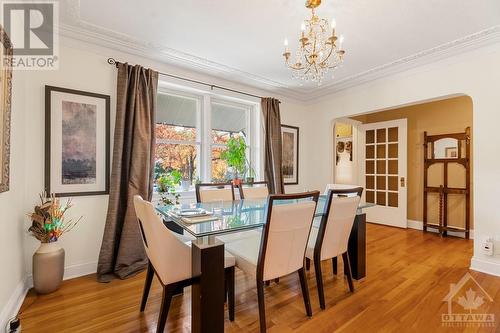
<point x="392" y="134"/>
<point x="370" y="196"/>
<point x="380" y="166"/>
<point x="392" y="183"/>
<point x="370" y="182"/>
<point x="392" y="167"/>
<point x="393" y="150"/>
<point x="381" y="198"/>
<point x="381" y="135"/>
<point x="370" y="151"/>
<point x="370" y="136"/>
<point x="381" y="182"/>
<point x="370" y="167"/>
<point x="381" y="151"/>
<point x="392" y="199"/>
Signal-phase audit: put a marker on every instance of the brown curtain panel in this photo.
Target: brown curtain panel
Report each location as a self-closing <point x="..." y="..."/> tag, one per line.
<point x="272" y="144"/>
<point x="122" y="253"/>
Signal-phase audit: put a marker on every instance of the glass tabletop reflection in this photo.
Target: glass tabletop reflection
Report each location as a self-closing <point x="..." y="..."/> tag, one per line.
<point x="232" y="216"/>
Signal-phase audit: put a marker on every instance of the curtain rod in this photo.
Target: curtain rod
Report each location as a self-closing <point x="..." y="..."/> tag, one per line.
<point x="112" y="61"/>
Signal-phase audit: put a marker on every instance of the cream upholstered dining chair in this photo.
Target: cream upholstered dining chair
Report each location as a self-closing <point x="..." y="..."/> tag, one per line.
<point x="330" y="239"/>
<point x="255" y="190"/>
<point x="210" y="192"/>
<point x="170" y="259"/>
<point x="333" y="186"/>
<point x="281" y="248"/>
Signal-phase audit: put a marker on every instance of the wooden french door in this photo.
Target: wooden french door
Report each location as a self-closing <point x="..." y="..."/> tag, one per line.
<point x="383" y="171"/>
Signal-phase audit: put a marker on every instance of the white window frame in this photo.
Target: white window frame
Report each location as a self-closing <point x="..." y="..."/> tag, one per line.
<point x="204" y="142"/>
<point x="198" y="142"/>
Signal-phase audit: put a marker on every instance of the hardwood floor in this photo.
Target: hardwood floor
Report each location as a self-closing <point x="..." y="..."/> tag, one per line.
<point x="408" y="275"/>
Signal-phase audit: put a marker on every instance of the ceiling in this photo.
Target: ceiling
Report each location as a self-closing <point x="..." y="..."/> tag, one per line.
<point x="242" y="40"/>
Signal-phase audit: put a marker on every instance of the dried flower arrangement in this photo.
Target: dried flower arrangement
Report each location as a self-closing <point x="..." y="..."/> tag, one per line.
<point x="48" y="220"/>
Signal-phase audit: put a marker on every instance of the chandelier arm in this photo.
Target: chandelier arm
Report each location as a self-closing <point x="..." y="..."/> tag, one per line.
<point x="328" y="56"/>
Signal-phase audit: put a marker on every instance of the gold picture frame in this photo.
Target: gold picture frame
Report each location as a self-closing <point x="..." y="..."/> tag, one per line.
<point x="5" y="108"/>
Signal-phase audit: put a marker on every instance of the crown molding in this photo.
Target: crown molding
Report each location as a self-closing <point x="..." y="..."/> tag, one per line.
<point x="462" y="45"/>
<point x="78" y="29"/>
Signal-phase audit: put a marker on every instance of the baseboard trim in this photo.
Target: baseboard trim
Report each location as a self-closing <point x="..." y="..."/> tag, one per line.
<point x="71" y="272"/>
<point x="485" y="266"/>
<point x="14" y="303"/>
<point x="419" y="225"/>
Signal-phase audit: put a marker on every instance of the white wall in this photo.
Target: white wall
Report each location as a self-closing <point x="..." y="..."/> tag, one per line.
<point x="12" y="213"/>
<point x="476" y="74"/>
<point x="82" y="69"/>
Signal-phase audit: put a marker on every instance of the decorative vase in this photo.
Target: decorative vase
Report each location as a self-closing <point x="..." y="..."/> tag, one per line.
<point x="48" y="267"/>
<point x="236" y="182"/>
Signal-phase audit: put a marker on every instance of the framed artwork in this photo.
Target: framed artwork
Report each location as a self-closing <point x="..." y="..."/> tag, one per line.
<point x="290" y="161"/>
<point x="5" y="104"/>
<point x="451" y="152"/>
<point x="76" y="142"/>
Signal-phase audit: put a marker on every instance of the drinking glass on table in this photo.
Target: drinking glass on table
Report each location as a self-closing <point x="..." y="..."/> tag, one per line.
<point x="218" y="208"/>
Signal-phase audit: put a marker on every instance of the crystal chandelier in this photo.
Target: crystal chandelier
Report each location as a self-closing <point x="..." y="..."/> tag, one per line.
<point x="319" y="48"/>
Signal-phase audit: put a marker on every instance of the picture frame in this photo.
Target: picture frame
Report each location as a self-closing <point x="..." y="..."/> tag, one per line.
<point x="451" y="152"/>
<point x="5" y="108"/>
<point x="77" y="142"/>
<point x="290" y="154"/>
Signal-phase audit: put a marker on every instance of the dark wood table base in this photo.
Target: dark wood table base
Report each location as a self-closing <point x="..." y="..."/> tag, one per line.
<point x="357" y="247"/>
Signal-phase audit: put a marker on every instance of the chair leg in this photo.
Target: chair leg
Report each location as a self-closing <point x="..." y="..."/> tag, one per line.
<point x="334" y="263"/>
<point x="347" y="265"/>
<point x="262" y="307"/>
<point x="308" y="264"/>
<point x="147" y="286"/>
<point x="230" y="291"/>
<point x="305" y="291"/>
<point x="319" y="283"/>
<point x="168" y="292"/>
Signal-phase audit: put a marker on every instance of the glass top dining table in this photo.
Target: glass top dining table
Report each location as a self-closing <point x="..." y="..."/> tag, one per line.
<point x="232" y="216"/>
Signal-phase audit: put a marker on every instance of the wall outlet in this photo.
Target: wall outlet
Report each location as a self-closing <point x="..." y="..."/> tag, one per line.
<point x="487" y="247"/>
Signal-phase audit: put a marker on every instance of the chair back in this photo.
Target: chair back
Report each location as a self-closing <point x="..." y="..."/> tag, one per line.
<point x="340" y="187"/>
<point x="285" y="234"/>
<point x="255" y="190"/>
<point x="210" y="192"/>
<point x="170" y="257"/>
<point x="339" y="214"/>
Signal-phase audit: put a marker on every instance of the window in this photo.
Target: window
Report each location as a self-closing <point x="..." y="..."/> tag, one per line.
<point x="192" y="132"/>
<point x="177" y="135"/>
<point x="227" y="120"/>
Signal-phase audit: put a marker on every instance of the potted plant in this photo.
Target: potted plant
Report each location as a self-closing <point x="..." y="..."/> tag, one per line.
<point x="49" y="223"/>
<point x="166" y="183"/>
<point x="235" y="157"/>
<point x="250" y="178"/>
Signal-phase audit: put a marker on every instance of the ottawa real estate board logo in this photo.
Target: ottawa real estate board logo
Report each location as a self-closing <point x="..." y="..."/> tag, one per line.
<point x="466" y="303"/>
<point x="30" y="27"/>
